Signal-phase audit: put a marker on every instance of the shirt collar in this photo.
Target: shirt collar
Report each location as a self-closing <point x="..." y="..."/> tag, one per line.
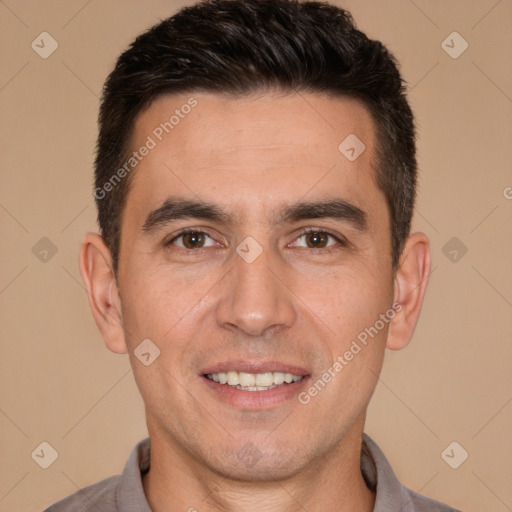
<point x="390" y="493"/>
<point x="130" y="495"/>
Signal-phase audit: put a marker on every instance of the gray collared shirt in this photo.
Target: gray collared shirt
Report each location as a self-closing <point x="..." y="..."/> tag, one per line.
<point x="124" y="493"/>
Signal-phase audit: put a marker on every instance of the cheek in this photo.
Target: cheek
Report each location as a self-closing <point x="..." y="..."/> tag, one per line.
<point x="154" y="310"/>
<point x="351" y="300"/>
<point x="165" y="306"/>
<point x="361" y="324"/>
<point x="356" y="350"/>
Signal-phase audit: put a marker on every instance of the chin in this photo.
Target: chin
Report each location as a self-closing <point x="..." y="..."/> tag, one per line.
<point x="257" y="463"/>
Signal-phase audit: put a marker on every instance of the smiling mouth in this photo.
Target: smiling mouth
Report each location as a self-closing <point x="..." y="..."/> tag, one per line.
<point x="253" y="381"/>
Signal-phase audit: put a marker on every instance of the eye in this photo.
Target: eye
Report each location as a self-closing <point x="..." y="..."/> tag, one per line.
<point x="319" y="239"/>
<point x="192" y="239"/>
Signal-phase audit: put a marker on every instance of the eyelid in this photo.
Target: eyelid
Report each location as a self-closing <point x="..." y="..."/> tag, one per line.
<point x="342" y="241"/>
<point x="339" y="238"/>
<point x="184" y="231"/>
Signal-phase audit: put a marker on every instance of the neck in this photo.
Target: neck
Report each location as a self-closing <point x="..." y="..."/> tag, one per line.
<point x="178" y="481"/>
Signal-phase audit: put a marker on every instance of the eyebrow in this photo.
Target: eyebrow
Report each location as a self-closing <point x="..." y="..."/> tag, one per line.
<point x="175" y="208"/>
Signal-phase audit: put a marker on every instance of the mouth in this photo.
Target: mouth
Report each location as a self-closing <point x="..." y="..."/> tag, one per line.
<point x="254" y="386"/>
<point x="253" y="381"/>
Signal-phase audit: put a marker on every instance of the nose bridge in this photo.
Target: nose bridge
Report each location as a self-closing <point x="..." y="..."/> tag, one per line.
<point x="254" y="298"/>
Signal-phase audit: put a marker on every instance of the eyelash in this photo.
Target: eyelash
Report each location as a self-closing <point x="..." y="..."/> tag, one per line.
<point x="341" y="240"/>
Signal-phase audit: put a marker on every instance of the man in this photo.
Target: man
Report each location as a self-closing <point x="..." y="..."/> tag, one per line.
<point x="255" y="182"/>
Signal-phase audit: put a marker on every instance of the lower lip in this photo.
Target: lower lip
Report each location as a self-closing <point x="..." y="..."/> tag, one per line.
<point x="255" y="400"/>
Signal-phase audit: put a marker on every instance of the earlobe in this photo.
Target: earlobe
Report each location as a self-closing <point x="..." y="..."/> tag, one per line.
<point x="96" y="269"/>
<point x="410" y="285"/>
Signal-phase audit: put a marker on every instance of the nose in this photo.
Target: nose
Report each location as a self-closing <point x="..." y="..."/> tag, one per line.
<point x="256" y="297"/>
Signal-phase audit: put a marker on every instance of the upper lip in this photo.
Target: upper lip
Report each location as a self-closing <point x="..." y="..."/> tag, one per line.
<point x="255" y="367"/>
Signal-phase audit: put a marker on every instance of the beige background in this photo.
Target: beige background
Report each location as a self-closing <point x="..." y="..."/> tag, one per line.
<point x="453" y="383"/>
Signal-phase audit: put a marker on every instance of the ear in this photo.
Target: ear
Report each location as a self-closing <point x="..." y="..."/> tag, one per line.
<point x="411" y="279"/>
<point x="96" y="269"/>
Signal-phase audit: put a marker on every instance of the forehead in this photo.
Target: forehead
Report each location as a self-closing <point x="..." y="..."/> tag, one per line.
<point x="248" y="152"/>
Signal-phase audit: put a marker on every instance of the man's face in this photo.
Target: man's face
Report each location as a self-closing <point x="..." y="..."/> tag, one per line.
<point x="250" y="291"/>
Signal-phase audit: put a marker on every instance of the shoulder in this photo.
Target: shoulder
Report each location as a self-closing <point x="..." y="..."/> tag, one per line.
<point x="98" y="496"/>
<point x="124" y="493"/>
<point x="390" y="493"/>
<point x="423" y="504"/>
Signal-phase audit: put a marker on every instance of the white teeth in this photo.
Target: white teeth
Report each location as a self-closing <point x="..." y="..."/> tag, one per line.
<point x="264" y="379"/>
<point x="253" y="381"/>
<point x="255" y="388"/>
<point x="247" y="379"/>
<point x="233" y="379"/>
<point x="279" y="378"/>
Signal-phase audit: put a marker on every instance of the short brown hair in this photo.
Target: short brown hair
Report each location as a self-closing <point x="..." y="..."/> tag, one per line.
<point x="242" y="46"/>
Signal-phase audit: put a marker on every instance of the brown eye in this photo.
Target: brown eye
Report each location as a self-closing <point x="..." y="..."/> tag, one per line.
<point x="192" y="240"/>
<point x="317" y="239"/>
